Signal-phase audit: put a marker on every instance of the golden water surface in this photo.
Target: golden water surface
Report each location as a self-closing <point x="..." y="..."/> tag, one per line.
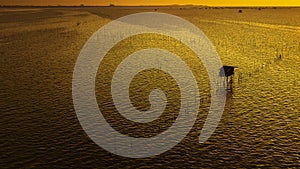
<point x="260" y="124"/>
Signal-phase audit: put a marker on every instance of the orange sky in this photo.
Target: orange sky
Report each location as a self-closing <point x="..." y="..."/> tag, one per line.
<point x="156" y="2"/>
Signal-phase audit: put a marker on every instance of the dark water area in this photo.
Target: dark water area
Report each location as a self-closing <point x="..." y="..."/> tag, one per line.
<point x="39" y="127"/>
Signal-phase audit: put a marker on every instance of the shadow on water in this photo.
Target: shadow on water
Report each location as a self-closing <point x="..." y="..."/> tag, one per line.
<point x="229" y="100"/>
<point x="30" y="16"/>
<point x="105" y="12"/>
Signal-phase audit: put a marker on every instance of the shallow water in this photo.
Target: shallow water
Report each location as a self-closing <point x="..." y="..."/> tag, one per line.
<point x="259" y="127"/>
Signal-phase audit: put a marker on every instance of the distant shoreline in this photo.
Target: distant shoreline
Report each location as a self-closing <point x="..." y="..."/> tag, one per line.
<point x="147" y="6"/>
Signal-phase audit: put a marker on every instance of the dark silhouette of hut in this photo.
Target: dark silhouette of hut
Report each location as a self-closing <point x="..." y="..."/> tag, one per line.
<point x="228" y="72"/>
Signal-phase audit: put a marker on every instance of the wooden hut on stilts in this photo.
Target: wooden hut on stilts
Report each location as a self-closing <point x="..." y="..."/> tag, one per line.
<point x="228" y="72"/>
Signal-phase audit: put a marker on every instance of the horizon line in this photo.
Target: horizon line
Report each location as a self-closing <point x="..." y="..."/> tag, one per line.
<point x="170" y="5"/>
